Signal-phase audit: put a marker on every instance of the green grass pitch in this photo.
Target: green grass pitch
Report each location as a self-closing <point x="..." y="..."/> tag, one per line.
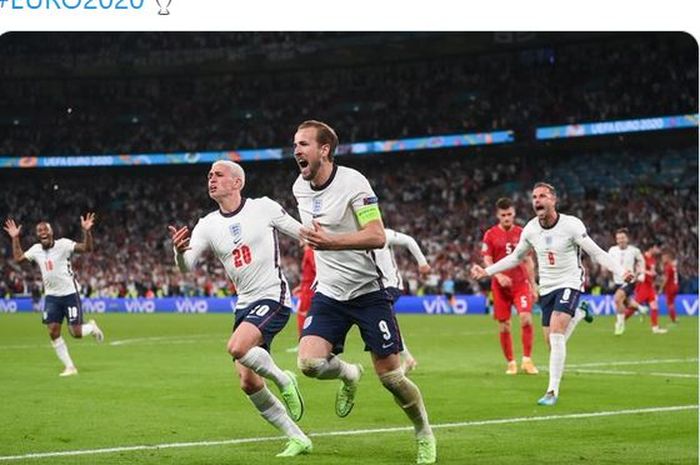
<point x="167" y="379"/>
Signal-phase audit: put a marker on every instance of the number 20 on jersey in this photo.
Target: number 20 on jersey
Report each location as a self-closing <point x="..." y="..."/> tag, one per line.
<point x="242" y="256"/>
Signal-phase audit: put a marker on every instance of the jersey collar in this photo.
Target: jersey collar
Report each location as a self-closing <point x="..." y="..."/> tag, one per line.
<point x="327" y="183"/>
<point x="553" y="224"/>
<point x="235" y="212"/>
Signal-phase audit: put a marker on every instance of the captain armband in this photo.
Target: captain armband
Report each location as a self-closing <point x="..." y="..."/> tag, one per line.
<point x="367" y="213"/>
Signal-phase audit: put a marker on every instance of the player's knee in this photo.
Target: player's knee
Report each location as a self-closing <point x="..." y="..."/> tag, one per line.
<point x="75" y="331"/>
<point x="395" y="381"/>
<point x="251" y="384"/>
<point x="392" y="379"/>
<point x="311" y="367"/>
<point x="236" y="350"/>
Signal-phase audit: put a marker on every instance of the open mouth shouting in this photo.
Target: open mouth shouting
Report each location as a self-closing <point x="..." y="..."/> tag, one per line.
<point x="304" y="166"/>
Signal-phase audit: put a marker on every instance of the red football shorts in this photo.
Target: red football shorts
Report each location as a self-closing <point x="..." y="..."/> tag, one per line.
<point x="504" y="298"/>
<point x="644" y="294"/>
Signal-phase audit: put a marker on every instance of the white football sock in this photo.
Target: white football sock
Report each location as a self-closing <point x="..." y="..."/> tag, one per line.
<point x="620" y="318"/>
<point x="557" y="357"/>
<point x="330" y="368"/>
<point x="272" y="410"/>
<point x="409" y="398"/>
<point x="61" y="349"/>
<point x="260" y="361"/>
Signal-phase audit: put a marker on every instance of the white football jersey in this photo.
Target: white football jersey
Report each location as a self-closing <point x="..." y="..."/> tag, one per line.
<point x="245" y="241"/>
<point x="629" y="258"/>
<point x="387" y="262"/>
<point x="558" y="250"/>
<point x="340" y="274"/>
<point x="54" y="263"/>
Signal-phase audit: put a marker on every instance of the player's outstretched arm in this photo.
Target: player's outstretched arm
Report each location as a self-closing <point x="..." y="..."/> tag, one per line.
<point x="601" y="256"/>
<point x="410" y="243"/>
<point x="14" y="230"/>
<point x="502" y="279"/>
<point x="283" y="221"/>
<point x="510" y="261"/>
<point x="86" y="222"/>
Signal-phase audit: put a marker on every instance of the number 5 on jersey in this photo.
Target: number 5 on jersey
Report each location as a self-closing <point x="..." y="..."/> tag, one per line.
<point x="242" y="256"/>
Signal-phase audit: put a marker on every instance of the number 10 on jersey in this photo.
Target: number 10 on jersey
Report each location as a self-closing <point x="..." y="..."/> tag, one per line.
<point x="242" y="256"/>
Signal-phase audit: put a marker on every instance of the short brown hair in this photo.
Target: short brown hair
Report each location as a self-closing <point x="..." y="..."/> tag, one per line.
<point x="551" y="188"/>
<point x="325" y="135"/>
<point x="504" y="203"/>
<point x="623" y="231"/>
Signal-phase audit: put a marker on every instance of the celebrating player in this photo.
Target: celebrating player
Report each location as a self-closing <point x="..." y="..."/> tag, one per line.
<point x="343" y="224"/>
<point x="60" y="288"/>
<point x="630" y="258"/>
<point x="242" y="233"/>
<point x="557" y="240"/>
<point x="513" y="288"/>
<point x="669" y="284"/>
<point x="393" y="280"/>
<point x="645" y="292"/>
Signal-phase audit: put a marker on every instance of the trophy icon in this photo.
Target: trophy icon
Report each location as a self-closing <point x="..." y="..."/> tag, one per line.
<point x="163" y="4"/>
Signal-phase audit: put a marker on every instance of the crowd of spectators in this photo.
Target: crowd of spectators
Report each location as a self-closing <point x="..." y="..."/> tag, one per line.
<point x="445" y="200"/>
<point x="141" y="105"/>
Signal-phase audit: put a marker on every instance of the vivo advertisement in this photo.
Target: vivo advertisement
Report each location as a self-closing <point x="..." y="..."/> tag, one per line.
<point x="686" y="304"/>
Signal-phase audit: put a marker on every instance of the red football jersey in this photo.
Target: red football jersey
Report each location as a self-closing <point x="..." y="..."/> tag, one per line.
<point x="498" y="243"/>
<point x="671" y="272"/>
<point x="308" y="269"/>
<point x="649" y="265"/>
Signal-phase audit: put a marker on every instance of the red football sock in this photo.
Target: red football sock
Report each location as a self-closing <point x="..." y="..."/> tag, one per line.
<point x="654" y="316"/>
<point x="672" y="311"/>
<point x="507" y="346"/>
<point x="527" y="340"/>
<point x="629" y="312"/>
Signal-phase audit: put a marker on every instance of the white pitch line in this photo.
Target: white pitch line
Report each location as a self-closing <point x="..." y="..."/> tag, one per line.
<point x="174" y="445"/>
<point x="120" y="342"/>
<point x="160" y="339"/>
<point x="636" y="373"/>
<point x="632" y="362"/>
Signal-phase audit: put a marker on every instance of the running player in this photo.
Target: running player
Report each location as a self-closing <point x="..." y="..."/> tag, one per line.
<point x="630" y="258"/>
<point x="62" y="299"/>
<point x="242" y="233"/>
<point x="669" y="285"/>
<point x="343" y="224"/>
<point x="557" y="240"/>
<point x="513" y="288"/>
<point x="393" y="280"/>
<point x="645" y="292"/>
